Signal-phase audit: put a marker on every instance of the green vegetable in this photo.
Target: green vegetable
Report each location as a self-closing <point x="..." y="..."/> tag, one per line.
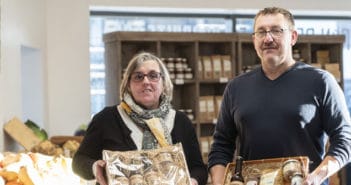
<point x="41" y="133"/>
<point x="31" y="124"/>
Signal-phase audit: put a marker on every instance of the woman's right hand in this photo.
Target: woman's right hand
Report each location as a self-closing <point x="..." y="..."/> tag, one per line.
<point x="98" y="170"/>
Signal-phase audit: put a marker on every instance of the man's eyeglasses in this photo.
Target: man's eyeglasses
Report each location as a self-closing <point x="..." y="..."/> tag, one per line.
<point x="275" y="33"/>
<point x="152" y="76"/>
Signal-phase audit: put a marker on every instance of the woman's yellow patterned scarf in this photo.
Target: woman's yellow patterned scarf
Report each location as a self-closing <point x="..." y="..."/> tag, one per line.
<point x="139" y="115"/>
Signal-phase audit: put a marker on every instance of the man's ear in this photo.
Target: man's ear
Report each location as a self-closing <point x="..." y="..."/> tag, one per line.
<point x="294" y="37"/>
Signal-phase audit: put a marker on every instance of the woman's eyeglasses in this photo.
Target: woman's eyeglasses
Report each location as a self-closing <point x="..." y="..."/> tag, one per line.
<point x="152" y="76"/>
<point x="275" y="33"/>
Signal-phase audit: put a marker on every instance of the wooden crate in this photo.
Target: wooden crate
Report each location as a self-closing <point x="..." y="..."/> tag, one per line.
<point x="273" y="164"/>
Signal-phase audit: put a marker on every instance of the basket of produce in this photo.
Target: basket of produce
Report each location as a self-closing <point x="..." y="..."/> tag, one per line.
<point x="273" y="171"/>
<point x="164" y="166"/>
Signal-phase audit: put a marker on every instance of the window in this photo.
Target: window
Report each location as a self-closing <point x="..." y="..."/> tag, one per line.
<point x="101" y="23"/>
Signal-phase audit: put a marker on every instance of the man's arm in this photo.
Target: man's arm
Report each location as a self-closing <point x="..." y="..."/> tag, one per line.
<point x="217" y="174"/>
<point x="328" y="167"/>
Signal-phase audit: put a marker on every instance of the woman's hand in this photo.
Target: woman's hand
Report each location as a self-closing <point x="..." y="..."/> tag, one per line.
<point x="194" y="181"/>
<point x="98" y="170"/>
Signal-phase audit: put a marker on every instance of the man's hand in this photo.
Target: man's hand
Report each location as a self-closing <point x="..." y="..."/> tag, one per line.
<point x="328" y="167"/>
<point x="217" y="174"/>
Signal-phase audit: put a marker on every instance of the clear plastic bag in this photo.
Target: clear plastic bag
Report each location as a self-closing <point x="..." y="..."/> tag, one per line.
<point x="163" y="166"/>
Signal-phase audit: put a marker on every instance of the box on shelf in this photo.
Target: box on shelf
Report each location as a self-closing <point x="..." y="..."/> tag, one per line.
<point x="210" y="108"/>
<point x="217" y="66"/>
<point x="205" y="148"/>
<point x="226" y="66"/>
<point x="202" y="108"/>
<point x="316" y="65"/>
<point x="333" y="68"/>
<point x="218" y="102"/>
<point x="200" y="69"/>
<point x="322" y="56"/>
<point x="207" y="66"/>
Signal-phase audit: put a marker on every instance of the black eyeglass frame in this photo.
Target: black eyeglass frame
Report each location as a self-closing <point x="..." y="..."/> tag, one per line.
<point x="152" y="76"/>
<point x="275" y="33"/>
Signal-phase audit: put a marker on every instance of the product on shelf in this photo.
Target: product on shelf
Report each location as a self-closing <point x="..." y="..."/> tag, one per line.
<point x="200" y="68"/>
<point x="216" y="66"/>
<point x="207" y="67"/>
<point x="226" y="66"/>
<point x="218" y="102"/>
<point x="178" y="68"/>
<point x="322" y="56"/>
<point x="334" y="69"/>
<point x="297" y="55"/>
<point x="204" y="147"/>
<point x="209" y="108"/>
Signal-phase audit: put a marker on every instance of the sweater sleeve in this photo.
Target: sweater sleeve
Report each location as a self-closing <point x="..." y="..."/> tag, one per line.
<point x="336" y="121"/>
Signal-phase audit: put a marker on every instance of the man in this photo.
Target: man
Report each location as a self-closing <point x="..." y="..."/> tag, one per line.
<point x="283" y="108"/>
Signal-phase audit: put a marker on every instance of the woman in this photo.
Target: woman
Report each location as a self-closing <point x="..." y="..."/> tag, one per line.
<point x="146" y="91"/>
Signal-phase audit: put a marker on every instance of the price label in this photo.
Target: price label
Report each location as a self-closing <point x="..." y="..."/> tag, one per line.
<point x="223" y="80"/>
<point x="179" y="81"/>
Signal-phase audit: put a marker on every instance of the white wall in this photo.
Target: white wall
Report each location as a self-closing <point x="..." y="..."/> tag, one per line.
<point x="22" y="24"/>
<point x="59" y="30"/>
<point x="68" y="65"/>
<point x="32" y="80"/>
